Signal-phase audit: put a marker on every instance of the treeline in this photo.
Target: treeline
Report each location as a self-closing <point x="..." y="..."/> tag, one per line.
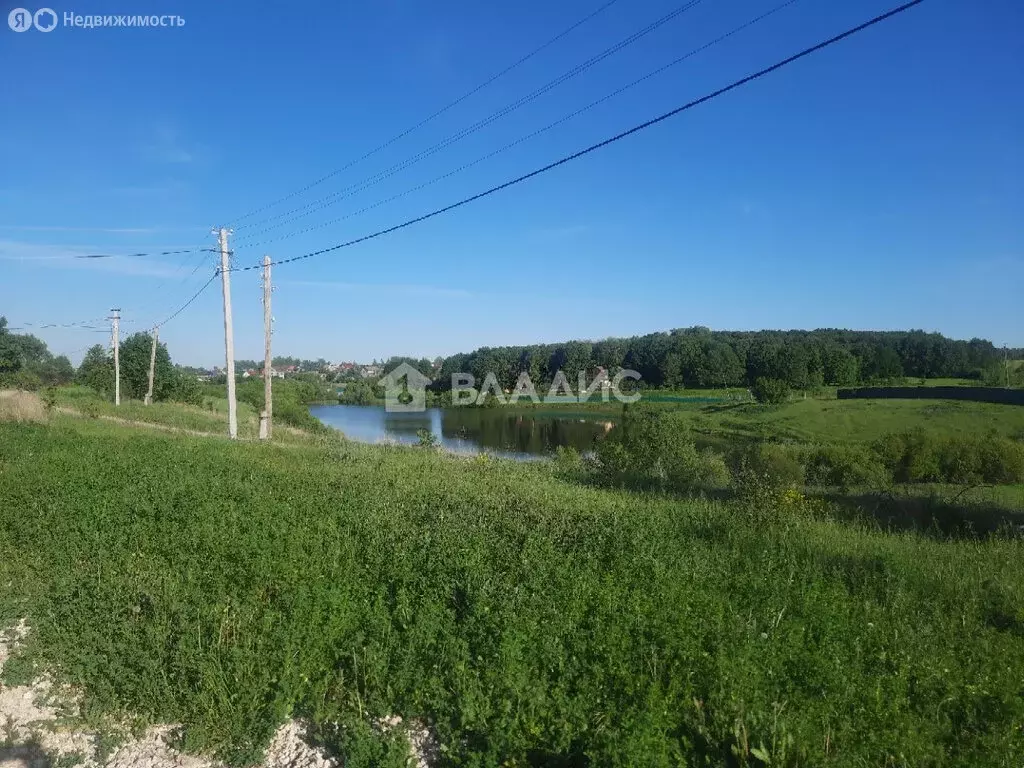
<point x="26" y="363"/>
<point x="700" y="358"/>
<point x="170" y="382"/>
<point x="282" y="362"/>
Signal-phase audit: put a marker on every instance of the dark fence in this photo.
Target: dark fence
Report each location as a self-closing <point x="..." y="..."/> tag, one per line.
<point x="977" y="394"/>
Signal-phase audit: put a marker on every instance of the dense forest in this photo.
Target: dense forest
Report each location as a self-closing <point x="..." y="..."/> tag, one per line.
<point x="700" y="357"/>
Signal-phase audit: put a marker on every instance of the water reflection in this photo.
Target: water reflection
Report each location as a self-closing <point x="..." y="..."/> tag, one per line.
<point x="469" y="430"/>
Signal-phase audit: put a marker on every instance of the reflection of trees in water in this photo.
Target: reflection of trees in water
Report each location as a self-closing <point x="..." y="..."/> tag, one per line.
<point x="520" y="432"/>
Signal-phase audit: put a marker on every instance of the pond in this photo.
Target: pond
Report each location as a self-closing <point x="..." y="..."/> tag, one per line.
<point x="497" y="431"/>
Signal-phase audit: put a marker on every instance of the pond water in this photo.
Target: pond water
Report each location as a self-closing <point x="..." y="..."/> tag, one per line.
<point x="470" y="430"/>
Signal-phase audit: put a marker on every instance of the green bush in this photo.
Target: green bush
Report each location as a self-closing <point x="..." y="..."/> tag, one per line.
<point x="49" y="398"/>
<point x="426" y="439"/>
<point x="770" y="391"/>
<point x="920" y="457"/>
<point x="184" y="388"/>
<point x="775" y="464"/>
<point x="652" y="448"/>
<point x="23" y="379"/>
<point x="844" y="466"/>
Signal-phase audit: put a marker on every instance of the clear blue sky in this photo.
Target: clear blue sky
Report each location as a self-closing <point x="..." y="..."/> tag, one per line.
<point x="876" y="185"/>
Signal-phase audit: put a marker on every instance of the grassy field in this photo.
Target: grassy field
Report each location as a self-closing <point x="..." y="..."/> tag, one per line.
<point x="857" y="420"/>
<point x="211" y="417"/>
<point x="533" y="621"/>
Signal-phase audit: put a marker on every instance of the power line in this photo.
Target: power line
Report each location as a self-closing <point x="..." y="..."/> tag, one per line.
<point x="527" y="137"/>
<point x="430" y="117"/>
<point x="601" y="144"/>
<point x="137" y="255"/>
<point x="87" y="325"/>
<point x="332" y="198"/>
<point x="188" y="303"/>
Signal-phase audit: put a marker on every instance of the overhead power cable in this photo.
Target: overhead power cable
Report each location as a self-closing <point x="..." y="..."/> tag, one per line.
<point x="430" y="117"/>
<point x="332" y="198"/>
<point x="527" y="137"/>
<point x="135" y="255"/>
<point x="188" y="303"/>
<point x="606" y="142"/>
<point x="88" y="325"/>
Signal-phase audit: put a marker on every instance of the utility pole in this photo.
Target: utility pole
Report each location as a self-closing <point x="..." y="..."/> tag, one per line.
<point x="266" y="420"/>
<point x="1006" y="366"/>
<point x="229" y="338"/>
<point x="115" y="319"/>
<point x="152" y="365"/>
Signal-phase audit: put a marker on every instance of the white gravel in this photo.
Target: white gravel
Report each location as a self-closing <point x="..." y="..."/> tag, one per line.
<point x="30" y="717"/>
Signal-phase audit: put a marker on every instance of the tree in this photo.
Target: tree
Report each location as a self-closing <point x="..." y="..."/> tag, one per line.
<point x="97" y="370"/>
<point x="722" y="368"/>
<point x="841" y="367"/>
<point x="135" y="351"/>
<point x="770" y="391"/>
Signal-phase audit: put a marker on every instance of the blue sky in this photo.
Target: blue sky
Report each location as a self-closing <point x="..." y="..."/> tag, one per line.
<point x="878" y="184"/>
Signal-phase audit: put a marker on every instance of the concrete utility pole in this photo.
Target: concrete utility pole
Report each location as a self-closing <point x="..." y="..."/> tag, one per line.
<point x="115" y="328"/>
<point x="266" y="420"/>
<point x="229" y="338"/>
<point x="152" y="366"/>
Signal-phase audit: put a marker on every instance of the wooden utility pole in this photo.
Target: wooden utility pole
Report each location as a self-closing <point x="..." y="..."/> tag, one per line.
<point x="266" y="420"/>
<point x="152" y="366"/>
<point x="115" y="319"/>
<point x="229" y="338"/>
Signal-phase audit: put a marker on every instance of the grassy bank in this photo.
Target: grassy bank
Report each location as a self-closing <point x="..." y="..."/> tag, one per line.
<point x="533" y="621"/>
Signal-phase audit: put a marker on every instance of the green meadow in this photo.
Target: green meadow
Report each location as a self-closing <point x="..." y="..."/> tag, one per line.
<point x="532" y="617"/>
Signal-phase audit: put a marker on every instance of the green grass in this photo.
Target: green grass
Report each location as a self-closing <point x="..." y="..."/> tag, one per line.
<point x="212" y="417"/>
<point x="228" y="586"/>
<point x="813" y="420"/>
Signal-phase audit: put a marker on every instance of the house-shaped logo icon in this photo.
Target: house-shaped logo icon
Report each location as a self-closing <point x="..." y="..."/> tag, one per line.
<point x="405" y="390"/>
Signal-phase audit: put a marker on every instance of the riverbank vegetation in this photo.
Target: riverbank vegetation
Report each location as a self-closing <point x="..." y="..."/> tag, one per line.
<point x="531" y="618"/>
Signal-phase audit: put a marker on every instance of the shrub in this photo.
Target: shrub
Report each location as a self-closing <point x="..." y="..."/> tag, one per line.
<point x="652" y="448"/>
<point x="49" y="398"/>
<point x="28" y="381"/>
<point x="770" y="391"/>
<point x="844" y="466"/>
<point x="567" y="461"/>
<point x="918" y="457"/>
<point x="185" y="389"/>
<point x="427" y="439"/>
<point x="775" y="464"/>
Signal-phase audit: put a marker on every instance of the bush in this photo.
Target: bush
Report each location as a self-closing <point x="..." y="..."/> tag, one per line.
<point x="27" y="381"/>
<point x="185" y="389"/>
<point x="770" y="391"/>
<point x="652" y="448"/>
<point x="427" y="439"/>
<point x="49" y="398"/>
<point x="774" y="464"/>
<point x="844" y="466"/>
<point x="919" y="457"/>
